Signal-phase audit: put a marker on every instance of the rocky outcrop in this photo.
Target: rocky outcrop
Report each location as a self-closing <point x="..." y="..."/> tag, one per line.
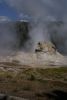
<point x="45" y="54"/>
<point x="46" y="47"/>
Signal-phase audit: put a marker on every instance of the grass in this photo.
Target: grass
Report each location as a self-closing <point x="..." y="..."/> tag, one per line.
<point x="51" y="73"/>
<point x="32" y="82"/>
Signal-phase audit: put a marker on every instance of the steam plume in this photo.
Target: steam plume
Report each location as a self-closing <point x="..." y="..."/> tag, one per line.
<point x="41" y="11"/>
<point x="7" y="36"/>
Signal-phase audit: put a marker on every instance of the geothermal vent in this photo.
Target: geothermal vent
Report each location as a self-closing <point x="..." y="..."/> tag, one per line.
<point x="45" y="54"/>
<point x="46" y="47"/>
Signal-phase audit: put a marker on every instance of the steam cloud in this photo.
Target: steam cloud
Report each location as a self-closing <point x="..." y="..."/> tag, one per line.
<point x="41" y="12"/>
<point x="59" y="37"/>
<point x="7" y="36"/>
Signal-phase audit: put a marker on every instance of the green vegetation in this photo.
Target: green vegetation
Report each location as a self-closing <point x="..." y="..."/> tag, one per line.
<point x="33" y="83"/>
<point x="42" y="74"/>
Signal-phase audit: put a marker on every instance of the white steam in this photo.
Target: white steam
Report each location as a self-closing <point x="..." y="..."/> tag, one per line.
<point x="7" y="36"/>
<point x="41" y="11"/>
<point x="39" y="34"/>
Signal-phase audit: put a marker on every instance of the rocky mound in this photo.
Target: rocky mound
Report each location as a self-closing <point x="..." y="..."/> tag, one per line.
<point x="46" y="47"/>
<point x="44" y="54"/>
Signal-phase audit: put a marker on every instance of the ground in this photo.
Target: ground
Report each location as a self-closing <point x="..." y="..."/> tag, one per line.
<point x="33" y="83"/>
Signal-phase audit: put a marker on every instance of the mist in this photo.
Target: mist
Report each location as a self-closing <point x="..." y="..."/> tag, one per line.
<point x="39" y="11"/>
<point x="42" y="12"/>
<point x="7" y="38"/>
<point x="58" y="34"/>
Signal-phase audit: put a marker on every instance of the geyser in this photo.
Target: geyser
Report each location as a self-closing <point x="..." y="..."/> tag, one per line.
<point x="42" y="12"/>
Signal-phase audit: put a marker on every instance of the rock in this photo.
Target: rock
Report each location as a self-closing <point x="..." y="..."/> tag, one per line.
<point x="46" y="47"/>
<point x="7" y="97"/>
<point x="45" y="54"/>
